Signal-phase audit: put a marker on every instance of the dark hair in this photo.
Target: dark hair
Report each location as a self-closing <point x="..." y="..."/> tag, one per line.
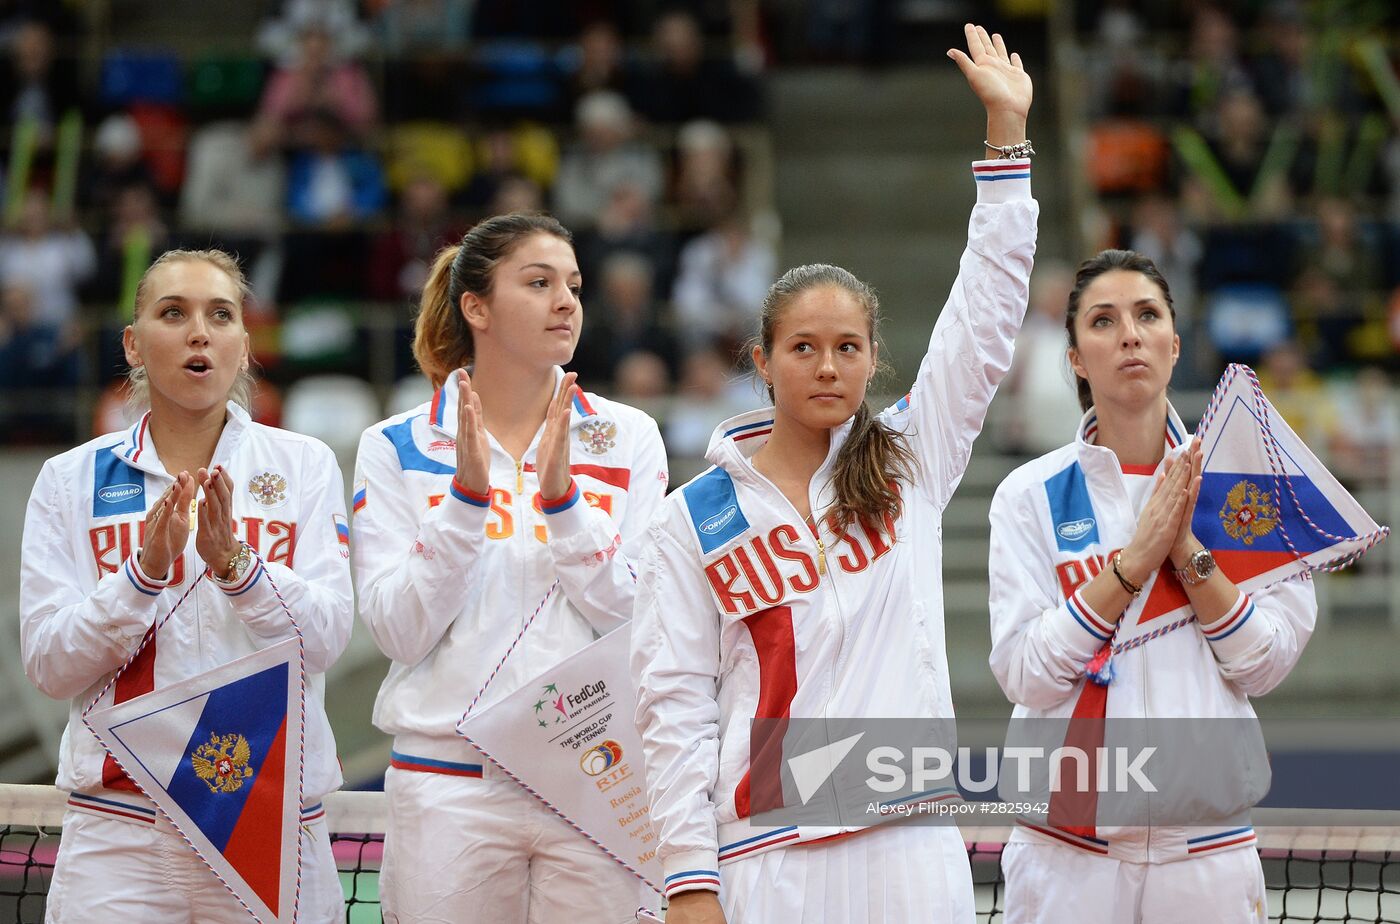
<point x="442" y="339"/>
<point x="874" y="457"/>
<point x="1103" y="262"/>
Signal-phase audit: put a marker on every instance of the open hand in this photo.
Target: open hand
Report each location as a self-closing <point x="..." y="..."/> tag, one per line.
<point x="1160" y="522"/>
<point x="473" y="447"/>
<point x="167" y="527"/>
<point x="1186" y="541"/>
<point x="552" y="457"/>
<point x="998" y="78"/>
<point x="215" y="541"/>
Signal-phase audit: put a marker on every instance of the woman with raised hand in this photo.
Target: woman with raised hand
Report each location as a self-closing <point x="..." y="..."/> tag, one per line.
<point x="111" y="544"/>
<point x="799" y="578"/>
<point x="1076" y="535"/>
<point x="510" y="494"/>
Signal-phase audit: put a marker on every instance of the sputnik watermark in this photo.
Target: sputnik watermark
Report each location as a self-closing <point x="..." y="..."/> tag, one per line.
<point x="1118" y="769"/>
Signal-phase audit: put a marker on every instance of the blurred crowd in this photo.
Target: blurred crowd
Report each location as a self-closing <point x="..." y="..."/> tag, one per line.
<point x="1253" y="151"/>
<point x="346" y="146"/>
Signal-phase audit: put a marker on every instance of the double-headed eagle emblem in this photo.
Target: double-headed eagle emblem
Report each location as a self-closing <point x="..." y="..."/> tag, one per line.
<point x="598" y="436"/>
<point x="1249" y="512"/>
<point x="222" y="762"/>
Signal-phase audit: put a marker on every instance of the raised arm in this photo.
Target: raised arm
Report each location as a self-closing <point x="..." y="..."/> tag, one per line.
<point x="970" y="350"/>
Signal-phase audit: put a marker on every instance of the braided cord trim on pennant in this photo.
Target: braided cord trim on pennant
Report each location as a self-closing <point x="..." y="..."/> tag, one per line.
<point x="1281" y="479"/>
<point x="517" y="780"/>
<point x="301" y="744"/>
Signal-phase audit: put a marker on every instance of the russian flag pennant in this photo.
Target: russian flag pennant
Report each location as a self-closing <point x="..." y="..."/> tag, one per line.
<point x="220" y="754"/>
<point x="1268" y="509"/>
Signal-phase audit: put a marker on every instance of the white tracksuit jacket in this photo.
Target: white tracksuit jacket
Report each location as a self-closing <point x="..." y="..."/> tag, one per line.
<point x="741" y="614"/>
<point x="446" y="579"/>
<point x="85" y="604"/>
<point x="1055" y="521"/>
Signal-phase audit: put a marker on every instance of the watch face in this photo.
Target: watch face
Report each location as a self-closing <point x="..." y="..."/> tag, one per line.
<point x="1203" y="563"/>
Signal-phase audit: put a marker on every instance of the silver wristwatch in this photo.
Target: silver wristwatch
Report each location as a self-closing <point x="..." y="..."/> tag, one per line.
<point x="1200" y="565"/>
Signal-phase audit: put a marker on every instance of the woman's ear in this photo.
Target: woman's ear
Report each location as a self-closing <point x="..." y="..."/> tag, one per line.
<point x="1078" y="367"/>
<point x="760" y="364"/>
<point x="473" y="308"/>
<point x="133" y="358"/>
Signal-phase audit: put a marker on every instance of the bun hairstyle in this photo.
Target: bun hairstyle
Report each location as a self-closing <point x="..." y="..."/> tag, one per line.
<point x="442" y="339"/>
<point x="874" y="457"/>
<point x="1103" y="262"/>
<point x="138" y="386"/>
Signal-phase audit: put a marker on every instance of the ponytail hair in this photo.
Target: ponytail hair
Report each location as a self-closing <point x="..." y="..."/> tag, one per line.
<point x="442" y="339"/>
<point x="875" y="457"/>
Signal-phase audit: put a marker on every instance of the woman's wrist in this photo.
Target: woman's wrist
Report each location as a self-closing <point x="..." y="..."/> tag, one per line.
<point x="1005" y="128"/>
<point x="1131" y="567"/>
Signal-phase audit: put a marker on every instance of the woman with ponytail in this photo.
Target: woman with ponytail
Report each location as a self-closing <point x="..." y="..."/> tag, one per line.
<point x="511" y="493"/>
<point x="799" y="578"/>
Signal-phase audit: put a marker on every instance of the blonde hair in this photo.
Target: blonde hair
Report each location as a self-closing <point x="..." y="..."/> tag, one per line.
<point x="442" y="339"/>
<point x="138" y="392"/>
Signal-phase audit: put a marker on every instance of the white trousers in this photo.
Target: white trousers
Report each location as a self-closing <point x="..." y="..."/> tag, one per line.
<point x="1053" y="884"/>
<point x="910" y="874"/>
<point x="460" y="850"/>
<point x="113" y="870"/>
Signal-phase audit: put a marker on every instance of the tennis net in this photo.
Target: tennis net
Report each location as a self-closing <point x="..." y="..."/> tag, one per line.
<point x="1314" y="874"/>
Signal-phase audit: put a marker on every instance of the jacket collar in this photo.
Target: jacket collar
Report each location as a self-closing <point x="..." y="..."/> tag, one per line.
<point x="442" y="407"/>
<point x="1086" y="438"/>
<point x="138" y="450"/>
<point x="735" y="441"/>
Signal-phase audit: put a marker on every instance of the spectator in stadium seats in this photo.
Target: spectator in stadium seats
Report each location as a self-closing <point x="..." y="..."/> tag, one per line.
<point x="332" y="183"/>
<point x="1037" y="408"/>
<point x="51" y="262"/>
<point x="281" y="37"/>
<point x="1240" y="168"/>
<point x="723" y="277"/>
<point x="34" y="354"/>
<point x="642" y="380"/>
<point x="316" y="82"/>
<point x="230" y="187"/>
<point x="706" y="397"/>
<point x="1299" y="394"/>
<point x="400" y="257"/>
<point x="1281" y="72"/>
<point x="1128" y="153"/>
<point x="117" y="163"/>
<point x="606" y="155"/>
<point x="498" y="164"/>
<point x="682" y="82"/>
<point x="1212" y="67"/>
<point x="628" y="223"/>
<point x="596" y="61"/>
<point x="705" y="188"/>
<point x="623" y="318"/>
<point x="1159" y="234"/>
<point x="516" y="194"/>
<point x="34" y="86"/>
<point x="410" y="28"/>
<point x="1368" y="430"/>
<point x="134" y="236"/>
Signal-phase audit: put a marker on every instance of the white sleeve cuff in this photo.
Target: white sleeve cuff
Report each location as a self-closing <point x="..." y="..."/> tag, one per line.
<point x="1238" y="631"/>
<point x="1002" y="180"/>
<point x="691" y="871"/>
<point x="1078" y="628"/>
